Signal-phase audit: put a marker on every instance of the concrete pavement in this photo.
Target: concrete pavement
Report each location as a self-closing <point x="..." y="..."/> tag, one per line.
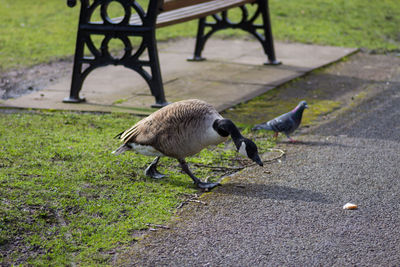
<point x="233" y="73"/>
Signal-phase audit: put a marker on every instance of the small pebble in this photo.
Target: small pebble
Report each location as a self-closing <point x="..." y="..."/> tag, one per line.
<point x="350" y="206"/>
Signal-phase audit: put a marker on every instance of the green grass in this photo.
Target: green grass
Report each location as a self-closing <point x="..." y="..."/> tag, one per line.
<point x="66" y="199"/>
<point x="38" y="31"/>
<point x="32" y="32"/>
<point x="370" y="24"/>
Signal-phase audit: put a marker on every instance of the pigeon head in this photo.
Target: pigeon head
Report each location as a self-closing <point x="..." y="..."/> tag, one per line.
<point x="303" y="104"/>
<point x="300" y="107"/>
<point x="248" y="149"/>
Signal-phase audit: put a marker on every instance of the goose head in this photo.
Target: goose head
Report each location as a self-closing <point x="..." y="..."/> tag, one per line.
<point x="248" y="149"/>
<point x="244" y="146"/>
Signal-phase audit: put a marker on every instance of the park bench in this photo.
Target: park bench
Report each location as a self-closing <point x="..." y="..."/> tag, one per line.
<point x="137" y="21"/>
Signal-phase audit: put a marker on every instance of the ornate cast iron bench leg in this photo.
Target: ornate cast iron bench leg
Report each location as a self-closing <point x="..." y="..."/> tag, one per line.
<point x="200" y="41"/>
<point x="247" y="23"/>
<point x="122" y="30"/>
<point x="77" y="77"/>
<point x="267" y="40"/>
<point x="155" y="82"/>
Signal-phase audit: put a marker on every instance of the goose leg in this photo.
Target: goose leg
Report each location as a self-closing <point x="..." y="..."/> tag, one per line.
<point x="151" y="170"/>
<point x="197" y="181"/>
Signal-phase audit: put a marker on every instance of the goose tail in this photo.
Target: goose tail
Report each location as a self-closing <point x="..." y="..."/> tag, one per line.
<point x="121" y="149"/>
<point x="119" y="135"/>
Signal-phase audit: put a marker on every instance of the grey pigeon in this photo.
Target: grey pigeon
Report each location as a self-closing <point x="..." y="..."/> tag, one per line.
<point x="286" y="123"/>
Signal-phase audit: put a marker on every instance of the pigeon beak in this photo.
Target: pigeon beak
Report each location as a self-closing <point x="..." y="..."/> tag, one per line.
<point x="257" y="160"/>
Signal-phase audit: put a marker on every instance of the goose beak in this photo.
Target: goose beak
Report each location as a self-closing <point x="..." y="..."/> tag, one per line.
<point x="257" y="160"/>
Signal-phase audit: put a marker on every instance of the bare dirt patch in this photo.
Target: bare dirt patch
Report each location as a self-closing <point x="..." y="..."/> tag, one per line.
<point x="17" y="82"/>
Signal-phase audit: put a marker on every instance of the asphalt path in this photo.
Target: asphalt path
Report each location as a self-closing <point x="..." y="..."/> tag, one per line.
<point x="290" y="213"/>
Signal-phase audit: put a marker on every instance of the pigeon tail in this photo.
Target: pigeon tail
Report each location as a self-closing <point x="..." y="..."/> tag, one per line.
<point x="121" y="149"/>
<point x="264" y="126"/>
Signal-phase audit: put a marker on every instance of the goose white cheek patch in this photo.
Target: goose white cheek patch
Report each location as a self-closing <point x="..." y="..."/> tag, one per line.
<point x="242" y="149"/>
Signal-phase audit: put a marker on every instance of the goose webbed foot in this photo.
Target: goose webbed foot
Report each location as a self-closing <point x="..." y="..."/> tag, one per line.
<point x="151" y="170"/>
<point x="208" y="186"/>
<point x="197" y="181"/>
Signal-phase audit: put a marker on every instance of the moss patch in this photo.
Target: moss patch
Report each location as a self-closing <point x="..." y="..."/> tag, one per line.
<point x="275" y="102"/>
<point x="120" y="101"/>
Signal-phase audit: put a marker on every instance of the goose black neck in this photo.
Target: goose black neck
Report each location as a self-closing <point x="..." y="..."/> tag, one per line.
<point x="226" y="127"/>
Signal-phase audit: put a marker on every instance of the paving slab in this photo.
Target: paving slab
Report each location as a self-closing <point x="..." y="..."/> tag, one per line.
<point x="233" y="73"/>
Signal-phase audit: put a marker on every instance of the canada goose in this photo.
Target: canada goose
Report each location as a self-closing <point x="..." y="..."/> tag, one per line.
<point x="286" y="123"/>
<point x="180" y="130"/>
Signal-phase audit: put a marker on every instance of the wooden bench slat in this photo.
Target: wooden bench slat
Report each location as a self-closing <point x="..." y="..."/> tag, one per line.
<point x="190" y="12"/>
<point x="169" y="5"/>
<point x="197" y="11"/>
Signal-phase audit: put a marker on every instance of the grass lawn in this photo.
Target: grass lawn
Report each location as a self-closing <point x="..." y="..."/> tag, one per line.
<point x="64" y="198"/>
<point x="372" y="24"/>
<point x="32" y="32"/>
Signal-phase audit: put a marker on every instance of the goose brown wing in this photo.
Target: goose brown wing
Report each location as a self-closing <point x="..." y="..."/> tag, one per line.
<point x="167" y="128"/>
<point x="143" y="132"/>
